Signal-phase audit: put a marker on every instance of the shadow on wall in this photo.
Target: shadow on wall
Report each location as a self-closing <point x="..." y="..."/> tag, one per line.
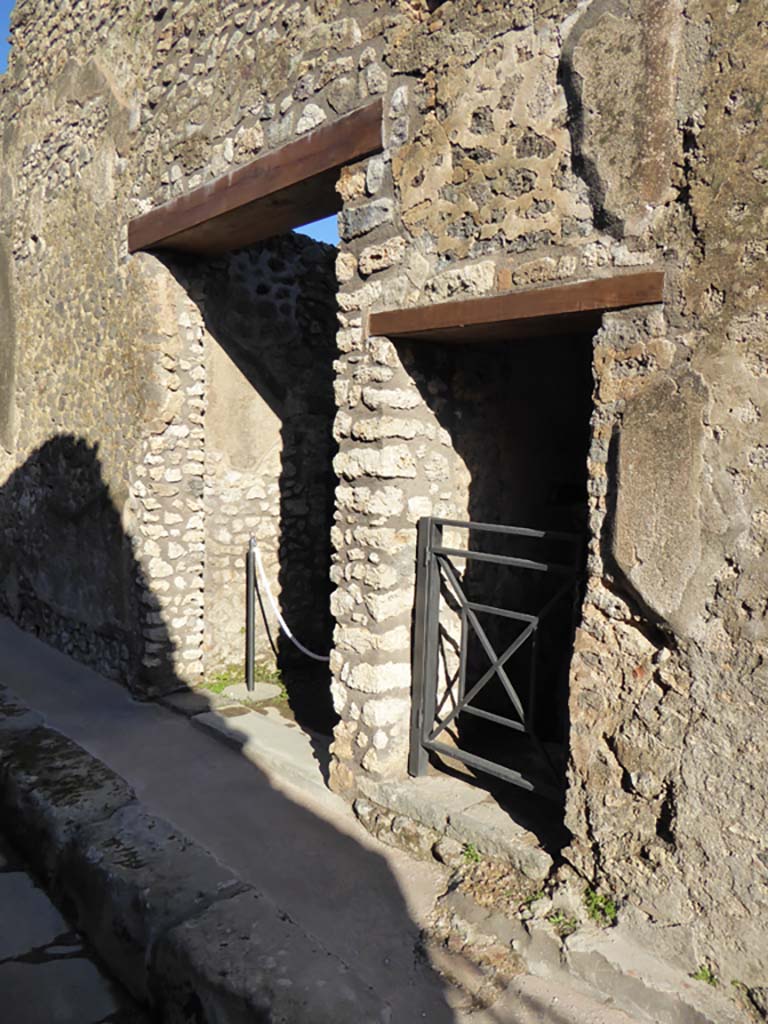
<point x="70" y="577"/>
<point x="271" y="311"/>
<point x="68" y="570"/>
<point x="518" y="416"/>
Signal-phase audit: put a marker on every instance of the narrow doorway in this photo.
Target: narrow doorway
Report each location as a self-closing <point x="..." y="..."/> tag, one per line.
<point x="517" y="412"/>
<point x="268" y="302"/>
<point x="270" y="316"/>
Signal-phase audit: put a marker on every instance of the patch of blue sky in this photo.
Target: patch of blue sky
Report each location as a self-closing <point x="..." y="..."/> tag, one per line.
<point x="325" y="230"/>
<point x="6" y="6"/>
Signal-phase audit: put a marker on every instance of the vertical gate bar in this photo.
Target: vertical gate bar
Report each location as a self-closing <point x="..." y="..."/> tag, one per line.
<point x="417" y="757"/>
<point x="463" y="656"/>
<point x="530" y="711"/>
<point x="432" y="630"/>
<point x="250" y="616"/>
<point x="424" y="646"/>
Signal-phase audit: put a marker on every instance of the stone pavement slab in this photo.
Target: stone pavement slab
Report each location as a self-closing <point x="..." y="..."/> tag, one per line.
<point x="46" y="975"/>
<point x="36" y="922"/>
<point x="71" y="991"/>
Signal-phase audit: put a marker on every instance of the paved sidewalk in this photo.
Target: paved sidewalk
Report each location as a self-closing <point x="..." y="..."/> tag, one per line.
<point x="46" y="976"/>
<point x="359" y="900"/>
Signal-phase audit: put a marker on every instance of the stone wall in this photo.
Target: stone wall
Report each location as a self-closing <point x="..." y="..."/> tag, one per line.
<point x="524" y="143"/>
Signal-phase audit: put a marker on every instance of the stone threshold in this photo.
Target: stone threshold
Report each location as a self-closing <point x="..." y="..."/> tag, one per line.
<point x="451" y="816"/>
<point x="276" y="745"/>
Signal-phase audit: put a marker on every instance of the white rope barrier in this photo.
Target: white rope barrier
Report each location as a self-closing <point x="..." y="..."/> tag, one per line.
<point x="276" y="610"/>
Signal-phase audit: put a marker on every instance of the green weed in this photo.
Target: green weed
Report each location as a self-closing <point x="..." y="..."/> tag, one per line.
<point x="233" y="675"/>
<point x="563" y="925"/>
<point x="705" y="973"/>
<point x="229" y="676"/>
<point x="601" y="909"/>
<point x="471" y="854"/>
<point x="533" y="898"/>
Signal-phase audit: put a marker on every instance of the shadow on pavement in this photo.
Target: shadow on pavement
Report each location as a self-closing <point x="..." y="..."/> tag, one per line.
<point x="70" y="576"/>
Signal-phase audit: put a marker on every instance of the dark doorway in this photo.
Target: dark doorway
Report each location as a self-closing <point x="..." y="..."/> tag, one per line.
<point x="518" y="414"/>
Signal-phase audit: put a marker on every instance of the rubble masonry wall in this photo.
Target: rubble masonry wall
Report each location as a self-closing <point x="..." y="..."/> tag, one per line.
<point x="525" y="143"/>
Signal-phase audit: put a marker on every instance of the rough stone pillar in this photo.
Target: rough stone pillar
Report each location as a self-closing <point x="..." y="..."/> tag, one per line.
<point x="166" y="495"/>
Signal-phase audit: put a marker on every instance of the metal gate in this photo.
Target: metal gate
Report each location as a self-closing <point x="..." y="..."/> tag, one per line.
<point x="437" y="715"/>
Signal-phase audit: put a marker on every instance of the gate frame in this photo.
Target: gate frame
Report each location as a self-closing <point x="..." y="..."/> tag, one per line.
<point x="434" y="565"/>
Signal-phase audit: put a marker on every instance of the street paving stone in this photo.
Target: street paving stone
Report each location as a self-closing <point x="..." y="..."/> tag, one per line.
<point x="46" y="976"/>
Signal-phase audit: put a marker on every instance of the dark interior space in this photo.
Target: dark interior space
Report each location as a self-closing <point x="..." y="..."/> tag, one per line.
<point x="272" y="308"/>
<point x="518" y="415"/>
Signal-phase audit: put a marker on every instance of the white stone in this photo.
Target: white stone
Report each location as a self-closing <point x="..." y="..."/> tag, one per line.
<point x="346" y="267"/>
<point x="388" y="605"/>
<point x="394" y="461"/>
<point x="374" y="175"/>
<point x="418" y="507"/>
<point x="378" y="713"/>
<point x="342" y="603"/>
<point x="395" y="398"/>
<point x="311" y="117"/>
<point x="391" y="675"/>
<point x="478" y="278"/>
<point x="384" y="502"/>
<point x="379" y="577"/>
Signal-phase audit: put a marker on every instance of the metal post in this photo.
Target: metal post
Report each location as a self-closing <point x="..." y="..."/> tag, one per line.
<point x="425" y="640"/>
<point x="250" y="614"/>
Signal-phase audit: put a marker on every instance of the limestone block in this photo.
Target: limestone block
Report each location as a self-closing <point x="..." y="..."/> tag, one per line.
<point x="244" y="960"/>
<point x="132" y="877"/>
<point x="656" y="540"/>
<point x="386" y="502"/>
<point x="310" y="118"/>
<point x="346" y="266"/>
<point x="478" y="278"/>
<point x="389" y="605"/>
<point x="379" y="257"/>
<point x="373" y="678"/>
<point x="387" y="711"/>
<point x="374" y="175"/>
<point x="392" y="462"/>
<point x="397" y="398"/>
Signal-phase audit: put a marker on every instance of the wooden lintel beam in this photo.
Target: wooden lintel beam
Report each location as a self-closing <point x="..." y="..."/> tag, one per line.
<point x="520" y="314"/>
<point x="272" y="194"/>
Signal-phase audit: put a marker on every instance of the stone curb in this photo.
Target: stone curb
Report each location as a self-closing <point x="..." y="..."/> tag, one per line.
<point x="175" y="926"/>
